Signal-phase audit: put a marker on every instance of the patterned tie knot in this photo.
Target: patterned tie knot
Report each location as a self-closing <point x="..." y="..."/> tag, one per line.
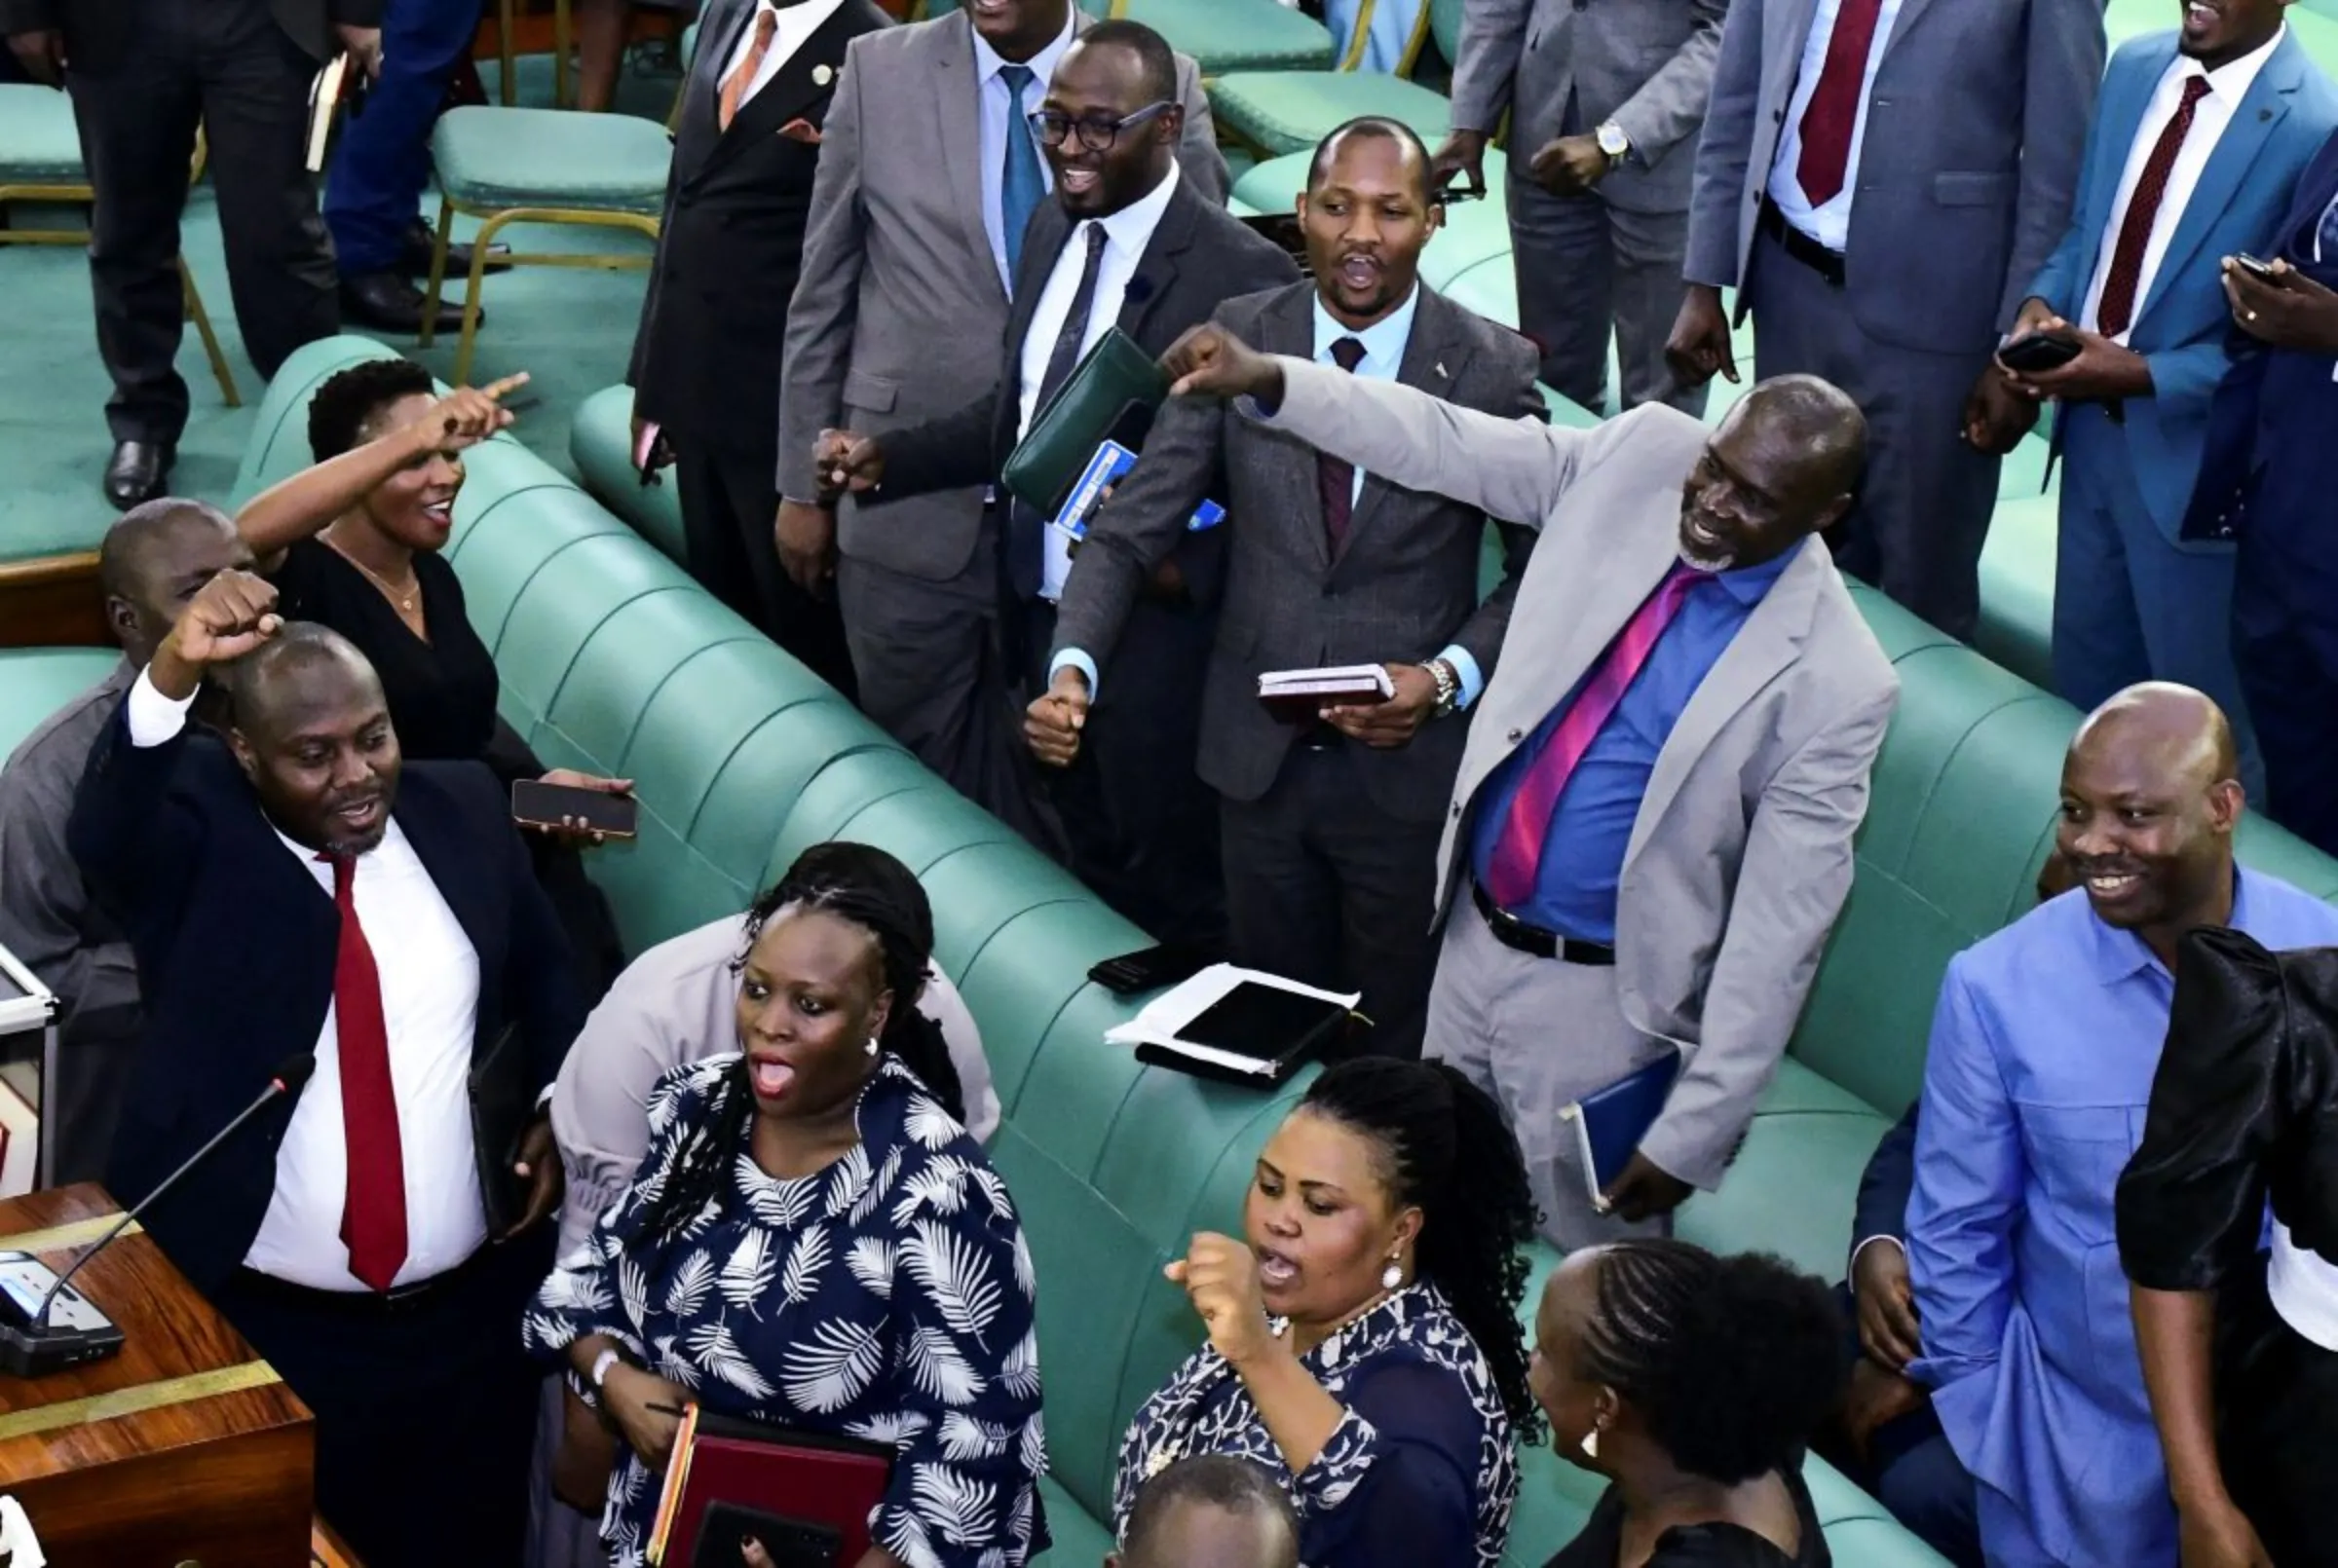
<point x="1347" y="354"/>
<point x="1096" y="239"/>
<point x="2196" y="88"/>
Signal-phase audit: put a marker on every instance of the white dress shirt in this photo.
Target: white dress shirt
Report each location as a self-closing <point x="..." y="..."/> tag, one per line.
<point x="1830" y="224"/>
<point x="797" y="23"/>
<point x="429" y="977"/>
<point x="2228" y="84"/>
<point x="998" y="112"/>
<point x="2303" y="1288"/>
<point x="1126" y="234"/>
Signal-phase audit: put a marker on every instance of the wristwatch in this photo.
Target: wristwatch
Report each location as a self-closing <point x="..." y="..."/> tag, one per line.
<point x="1449" y="685"/>
<point x="1614" y="142"/>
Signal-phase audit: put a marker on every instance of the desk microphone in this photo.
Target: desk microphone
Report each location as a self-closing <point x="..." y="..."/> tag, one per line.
<point x="33" y="1342"/>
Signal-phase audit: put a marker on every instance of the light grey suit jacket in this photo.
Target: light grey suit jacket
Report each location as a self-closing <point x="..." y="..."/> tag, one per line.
<point x="898" y="312"/>
<point x="1647" y="64"/>
<point x="1976" y="125"/>
<point x="1740" y="856"/>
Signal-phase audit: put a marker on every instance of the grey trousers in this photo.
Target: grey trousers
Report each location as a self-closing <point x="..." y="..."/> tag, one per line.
<point x="1923" y="509"/>
<point x="1585" y="266"/>
<point x="1538" y="1034"/>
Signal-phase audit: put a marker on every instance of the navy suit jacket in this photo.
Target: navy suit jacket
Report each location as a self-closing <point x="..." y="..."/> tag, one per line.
<point x="1886" y="1184"/>
<point x="234" y="941"/>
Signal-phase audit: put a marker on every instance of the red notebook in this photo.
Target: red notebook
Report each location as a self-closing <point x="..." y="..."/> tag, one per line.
<point x="812" y="1479"/>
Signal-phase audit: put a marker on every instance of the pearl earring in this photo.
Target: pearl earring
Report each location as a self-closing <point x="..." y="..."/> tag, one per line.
<point x="870" y="1049"/>
<point x="1591" y="1443"/>
<point x="1392" y="1278"/>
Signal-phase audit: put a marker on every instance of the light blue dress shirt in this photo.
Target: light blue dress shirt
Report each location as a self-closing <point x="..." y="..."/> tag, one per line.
<point x="1385" y="344"/>
<point x="2038" y="1077"/>
<point x="1830" y="224"/>
<point x="999" y="114"/>
<point x="1591" y="825"/>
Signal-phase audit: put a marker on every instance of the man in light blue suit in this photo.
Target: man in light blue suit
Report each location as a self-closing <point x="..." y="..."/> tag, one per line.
<point x="2039" y="1074"/>
<point x="2198" y="138"/>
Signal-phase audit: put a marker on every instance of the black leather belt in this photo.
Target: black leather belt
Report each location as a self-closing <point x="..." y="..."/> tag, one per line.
<point x="1828" y="263"/>
<point x="391" y="1303"/>
<point x="1512" y="932"/>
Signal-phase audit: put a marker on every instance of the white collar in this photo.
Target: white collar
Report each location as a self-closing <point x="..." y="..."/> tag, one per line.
<point x="1130" y="230"/>
<point x="2233" y="79"/>
<point x="987" y="65"/>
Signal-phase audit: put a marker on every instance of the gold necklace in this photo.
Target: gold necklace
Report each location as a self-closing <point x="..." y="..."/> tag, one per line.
<point x="404" y="598"/>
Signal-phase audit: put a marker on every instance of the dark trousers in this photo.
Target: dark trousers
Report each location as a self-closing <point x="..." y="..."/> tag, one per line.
<point x="227" y="64"/>
<point x="1324" y="887"/>
<point x="1910" y="1469"/>
<point x="425" y="1415"/>
<point x="383" y="159"/>
<point x="2284" y="627"/>
<point x="730" y="501"/>
<point x="2277" y="1439"/>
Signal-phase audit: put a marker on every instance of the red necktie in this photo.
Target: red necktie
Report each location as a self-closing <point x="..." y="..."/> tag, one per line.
<point x="735" y="85"/>
<point x="1510" y="871"/>
<point x="1336" y="478"/>
<point x="1833" y="112"/>
<point x="373" y="1219"/>
<point x="2117" y="312"/>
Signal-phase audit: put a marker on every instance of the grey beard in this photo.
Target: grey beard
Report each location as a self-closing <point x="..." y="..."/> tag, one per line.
<point x="1708" y="562"/>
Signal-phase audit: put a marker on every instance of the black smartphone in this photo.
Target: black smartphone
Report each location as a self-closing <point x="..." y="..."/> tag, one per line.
<point x="1150" y="969"/>
<point x="537" y="804"/>
<point x="2261" y="270"/>
<point x="2039" y="352"/>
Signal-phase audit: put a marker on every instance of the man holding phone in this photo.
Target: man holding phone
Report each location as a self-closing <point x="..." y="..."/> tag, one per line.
<point x="2199" y="137"/>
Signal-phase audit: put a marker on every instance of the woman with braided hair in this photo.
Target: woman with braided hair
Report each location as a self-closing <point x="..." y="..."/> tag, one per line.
<point x="814" y="1241"/>
<point x="1364" y="1344"/>
<point x="1692" y="1383"/>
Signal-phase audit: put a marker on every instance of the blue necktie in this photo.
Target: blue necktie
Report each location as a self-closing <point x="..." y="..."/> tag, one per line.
<point x="1020" y="187"/>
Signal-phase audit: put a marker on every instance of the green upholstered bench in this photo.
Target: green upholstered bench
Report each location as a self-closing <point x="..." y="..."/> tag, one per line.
<point x="36" y="681"/>
<point x="600" y="443"/>
<point x="1226" y="36"/>
<point x="1287" y="111"/>
<point x="2016" y="582"/>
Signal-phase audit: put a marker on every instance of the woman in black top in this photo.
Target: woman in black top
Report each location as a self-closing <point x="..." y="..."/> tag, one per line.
<point x="1691" y="1382"/>
<point x="353" y="543"/>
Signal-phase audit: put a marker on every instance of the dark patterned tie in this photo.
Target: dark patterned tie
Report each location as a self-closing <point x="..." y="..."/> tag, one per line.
<point x="2117" y="312"/>
<point x="1336" y="478"/>
<point x="1027" y="529"/>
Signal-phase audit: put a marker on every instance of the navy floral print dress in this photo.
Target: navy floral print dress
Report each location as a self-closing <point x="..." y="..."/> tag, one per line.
<point x="1422" y="1470"/>
<point x="887" y="1297"/>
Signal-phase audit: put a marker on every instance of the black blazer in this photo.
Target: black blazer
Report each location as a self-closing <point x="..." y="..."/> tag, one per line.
<point x="1887" y="1183"/>
<point x="707" y="353"/>
<point x="96" y="31"/>
<point x="235" y="943"/>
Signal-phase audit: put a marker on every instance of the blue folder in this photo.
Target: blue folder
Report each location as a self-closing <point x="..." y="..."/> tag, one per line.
<point x="1610" y="1125"/>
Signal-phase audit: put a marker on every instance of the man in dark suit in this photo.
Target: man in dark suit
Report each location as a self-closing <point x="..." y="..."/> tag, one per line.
<point x="143" y="73"/>
<point x="1126" y="241"/>
<point x="1330" y="830"/>
<point x="294" y="891"/>
<point x="706" y="358"/>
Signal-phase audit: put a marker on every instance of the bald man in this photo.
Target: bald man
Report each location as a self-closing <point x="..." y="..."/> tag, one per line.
<point x="152" y="562"/>
<point x="296" y="889"/>
<point x="2043" y="1051"/>
<point x="1212" y="1510"/>
<point x="1650" y="834"/>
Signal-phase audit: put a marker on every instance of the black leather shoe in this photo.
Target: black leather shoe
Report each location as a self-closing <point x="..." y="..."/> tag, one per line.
<point x="137" y="471"/>
<point x="417" y="257"/>
<point x="389" y="302"/>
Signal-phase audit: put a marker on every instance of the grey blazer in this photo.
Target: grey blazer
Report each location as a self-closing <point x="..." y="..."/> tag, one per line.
<point x="1403" y="586"/>
<point x="1647" y="64"/>
<point x="1740" y="856"/>
<point x="1976" y="123"/>
<point x="898" y="310"/>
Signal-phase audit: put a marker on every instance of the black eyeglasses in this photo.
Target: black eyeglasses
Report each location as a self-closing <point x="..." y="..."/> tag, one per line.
<point x="1051" y="126"/>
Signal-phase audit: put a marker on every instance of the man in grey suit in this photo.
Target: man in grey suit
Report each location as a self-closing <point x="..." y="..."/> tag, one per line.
<point x="1329" y="832"/>
<point x="1604" y="100"/>
<point x="929" y="175"/>
<point x="1880" y="181"/>
<point x="1653" y="816"/>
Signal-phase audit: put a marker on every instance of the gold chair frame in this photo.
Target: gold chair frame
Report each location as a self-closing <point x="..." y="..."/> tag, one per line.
<point x="507" y="18"/>
<point x="492" y="221"/>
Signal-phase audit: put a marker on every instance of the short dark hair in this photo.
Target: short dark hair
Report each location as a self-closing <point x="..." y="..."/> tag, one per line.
<point x="127" y="552"/>
<point x="1730" y="1362"/>
<point x="1381" y="126"/>
<point x="1821" y="418"/>
<point x="1155" y="57"/>
<point x="1211" y="1480"/>
<point x="346" y="400"/>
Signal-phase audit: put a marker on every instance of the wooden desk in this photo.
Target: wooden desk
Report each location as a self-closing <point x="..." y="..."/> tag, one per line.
<point x="184" y="1449"/>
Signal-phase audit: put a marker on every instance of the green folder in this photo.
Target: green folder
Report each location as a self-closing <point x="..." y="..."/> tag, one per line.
<point x="1111" y="394"/>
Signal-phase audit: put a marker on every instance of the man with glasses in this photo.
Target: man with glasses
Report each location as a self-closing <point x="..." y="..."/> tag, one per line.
<point x="1128" y="242"/>
<point x="929" y="176"/>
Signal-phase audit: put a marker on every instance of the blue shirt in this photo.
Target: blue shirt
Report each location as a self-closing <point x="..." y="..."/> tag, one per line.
<point x="2036" y="1084"/>
<point x="998" y="111"/>
<point x="1591" y="825"/>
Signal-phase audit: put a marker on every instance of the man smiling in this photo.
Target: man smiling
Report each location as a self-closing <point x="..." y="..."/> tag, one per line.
<point x="2039" y="1072"/>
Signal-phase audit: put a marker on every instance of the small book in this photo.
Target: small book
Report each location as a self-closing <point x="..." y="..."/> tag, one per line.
<point x="1094" y="487"/>
<point x="1238" y="1025"/>
<point x="807" y="1494"/>
<point x="1299" y="696"/>
<point x="1610" y="1125"/>
<point x="340" y="86"/>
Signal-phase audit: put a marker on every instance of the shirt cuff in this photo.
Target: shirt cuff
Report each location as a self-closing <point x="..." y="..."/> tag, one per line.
<point x="1867" y="1241"/>
<point x="153" y="717"/>
<point x="1076" y="659"/>
<point x="1466" y="671"/>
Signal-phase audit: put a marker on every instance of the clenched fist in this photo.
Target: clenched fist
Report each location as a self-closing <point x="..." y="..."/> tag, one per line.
<point x="232" y="614"/>
<point x="1220" y="1277"/>
<point x="1209" y="361"/>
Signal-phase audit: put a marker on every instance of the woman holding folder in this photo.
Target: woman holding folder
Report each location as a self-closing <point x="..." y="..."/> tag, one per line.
<point x="815" y="1242"/>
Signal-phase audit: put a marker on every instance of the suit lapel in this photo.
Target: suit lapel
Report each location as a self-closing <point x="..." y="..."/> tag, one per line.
<point x="1291" y="323"/>
<point x="956" y="104"/>
<point x="2260" y="111"/>
<point x="2126" y="95"/>
<point x="1910" y="11"/>
<point x="1157" y="268"/>
<point x="1042" y="249"/>
<point x="1433" y="356"/>
<point x="431" y="827"/>
<point x="804" y="79"/>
